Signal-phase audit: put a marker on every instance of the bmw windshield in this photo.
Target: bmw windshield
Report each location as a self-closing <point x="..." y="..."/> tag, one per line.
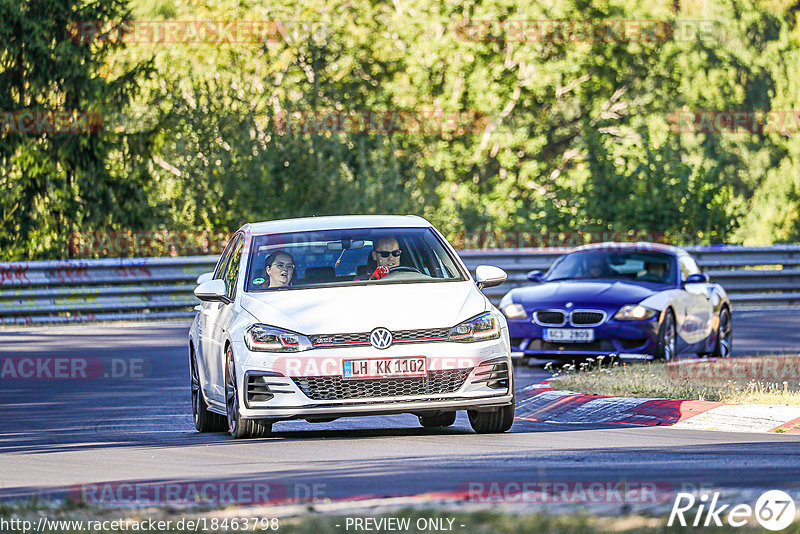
<point x="635" y="266"/>
<point x="358" y="256"/>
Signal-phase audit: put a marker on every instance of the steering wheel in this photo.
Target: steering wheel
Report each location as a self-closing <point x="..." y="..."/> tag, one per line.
<point x="403" y="269"/>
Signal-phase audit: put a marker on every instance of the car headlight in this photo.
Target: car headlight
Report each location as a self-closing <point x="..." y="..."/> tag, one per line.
<point x="515" y="311"/>
<point x="634" y="312"/>
<point x="261" y="337"/>
<point x="479" y="328"/>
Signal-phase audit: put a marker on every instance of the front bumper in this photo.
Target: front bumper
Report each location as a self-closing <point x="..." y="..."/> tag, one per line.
<point x="635" y="339"/>
<point x="289" y="396"/>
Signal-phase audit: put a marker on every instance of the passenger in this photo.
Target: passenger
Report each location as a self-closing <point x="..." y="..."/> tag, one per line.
<point x="280" y="269"/>
<point x="654" y="271"/>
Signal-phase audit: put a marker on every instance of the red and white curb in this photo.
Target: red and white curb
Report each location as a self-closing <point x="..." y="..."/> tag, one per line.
<point x="540" y="402"/>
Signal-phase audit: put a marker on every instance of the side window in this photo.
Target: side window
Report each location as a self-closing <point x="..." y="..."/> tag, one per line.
<point x="226" y="254"/>
<point x="688" y="266"/>
<point x="232" y="269"/>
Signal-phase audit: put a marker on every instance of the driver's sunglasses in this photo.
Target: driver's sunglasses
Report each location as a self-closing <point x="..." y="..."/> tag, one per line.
<point x="387" y="253"/>
<point x="282" y="266"/>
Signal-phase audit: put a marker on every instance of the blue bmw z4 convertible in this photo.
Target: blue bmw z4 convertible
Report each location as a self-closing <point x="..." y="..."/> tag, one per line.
<point x="633" y="300"/>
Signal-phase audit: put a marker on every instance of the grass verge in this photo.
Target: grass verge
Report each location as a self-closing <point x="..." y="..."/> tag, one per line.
<point x="761" y="380"/>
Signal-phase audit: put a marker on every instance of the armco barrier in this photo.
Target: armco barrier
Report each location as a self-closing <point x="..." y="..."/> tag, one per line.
<point x="141" y="288"/>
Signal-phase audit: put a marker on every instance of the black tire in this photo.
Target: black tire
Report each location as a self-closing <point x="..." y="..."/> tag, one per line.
<point x="667" y="337"/>
<point x="237" y="427"/>
<point x="439" y="420"/>
<point x="204" y="420"/>
<point x="492" y="422"/>
<point x="724" y="345"/>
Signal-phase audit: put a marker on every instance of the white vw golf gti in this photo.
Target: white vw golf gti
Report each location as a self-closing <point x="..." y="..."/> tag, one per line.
<point x="330" y="317"/>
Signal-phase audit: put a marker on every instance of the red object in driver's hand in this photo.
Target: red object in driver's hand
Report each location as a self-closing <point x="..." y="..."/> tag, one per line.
<point x="379" y="273"/>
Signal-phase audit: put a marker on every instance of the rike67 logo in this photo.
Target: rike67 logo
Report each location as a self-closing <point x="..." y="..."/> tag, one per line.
<point x="774" y="510"/>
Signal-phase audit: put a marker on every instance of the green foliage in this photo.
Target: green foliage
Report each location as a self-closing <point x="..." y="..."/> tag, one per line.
<point x="577" y="137"/>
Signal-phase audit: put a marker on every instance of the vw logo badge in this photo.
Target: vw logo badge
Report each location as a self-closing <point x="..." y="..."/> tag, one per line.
<point x="381" y="338"/>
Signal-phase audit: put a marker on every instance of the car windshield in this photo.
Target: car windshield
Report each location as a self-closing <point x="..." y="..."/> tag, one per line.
<point x="615" y="265"/>
<point x="345" y="257"/>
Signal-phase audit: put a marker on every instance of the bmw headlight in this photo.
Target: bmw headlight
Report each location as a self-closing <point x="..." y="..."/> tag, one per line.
<point x="479" y="328"/>
<point x="634" y="312"/>
<point x="515" y="311"/>
<point x="261" y="337"/>
<point x="511" y="309"/>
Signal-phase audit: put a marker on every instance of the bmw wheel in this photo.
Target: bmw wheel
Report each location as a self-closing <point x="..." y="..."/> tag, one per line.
<point x="724" y="344"/>
<point x="667" y="337"/>
<point x="239" y="428"/>
<point x="204" y="420"/>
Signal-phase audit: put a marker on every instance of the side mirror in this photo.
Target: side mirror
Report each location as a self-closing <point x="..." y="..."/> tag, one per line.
<point x="535" y="276"/>
<point x="697" y="278"/>
<point x="205" y="277"/>
<point x="488" y="276"/>
<point x="213" y="291"/>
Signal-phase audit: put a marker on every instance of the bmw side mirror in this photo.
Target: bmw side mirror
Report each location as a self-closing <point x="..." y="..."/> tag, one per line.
<point x="213" y="291"/>
<point x="535" y="276"/>
<point x="489" y="276"/>
<point x="697" y="278"/>
<point x="205" y="277"/>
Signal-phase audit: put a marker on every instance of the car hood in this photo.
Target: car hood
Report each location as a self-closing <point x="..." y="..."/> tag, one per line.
<point x="582" y="293"/>
<point x="355" y="309"/>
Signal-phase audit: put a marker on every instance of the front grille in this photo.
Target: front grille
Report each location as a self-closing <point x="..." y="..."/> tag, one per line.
<point x="425" y="334"/>
<point x="337" y="388"/>
<point x="400" y="336"/>
<point x="547" y="317"/>
<point x="587" y="317"/>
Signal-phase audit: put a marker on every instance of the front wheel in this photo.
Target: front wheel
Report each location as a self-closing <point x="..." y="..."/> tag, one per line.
<point x="492" y="422"/>
<point x="667" y="337"/>
<point x="439" y="420"/>
<point x="724" y="344"/>
<point x="204" y="420"/>
<point x="239" y="428"/>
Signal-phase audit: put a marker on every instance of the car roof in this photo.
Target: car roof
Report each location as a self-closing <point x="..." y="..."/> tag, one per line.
<point x="640" y="246"/>
<point x="307" y="224"/>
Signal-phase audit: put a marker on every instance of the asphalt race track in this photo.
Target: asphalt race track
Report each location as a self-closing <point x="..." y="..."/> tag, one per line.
<point x="132" y="423"/>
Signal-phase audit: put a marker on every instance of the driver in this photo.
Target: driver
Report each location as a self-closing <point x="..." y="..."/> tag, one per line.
<point x="596" y="267"/>
<point x="386" y="254"/>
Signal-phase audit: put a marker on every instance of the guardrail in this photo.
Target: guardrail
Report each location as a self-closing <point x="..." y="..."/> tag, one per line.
<point x="141" y="288"/>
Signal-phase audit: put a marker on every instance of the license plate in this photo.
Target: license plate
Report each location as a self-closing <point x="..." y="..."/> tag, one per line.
<point x="571" y="335"/>
<point x="384" y="367"/>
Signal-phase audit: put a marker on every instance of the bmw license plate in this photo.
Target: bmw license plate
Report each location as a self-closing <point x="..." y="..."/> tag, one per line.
<point x="384" y="367"/>
<point x="570" y="335"/>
